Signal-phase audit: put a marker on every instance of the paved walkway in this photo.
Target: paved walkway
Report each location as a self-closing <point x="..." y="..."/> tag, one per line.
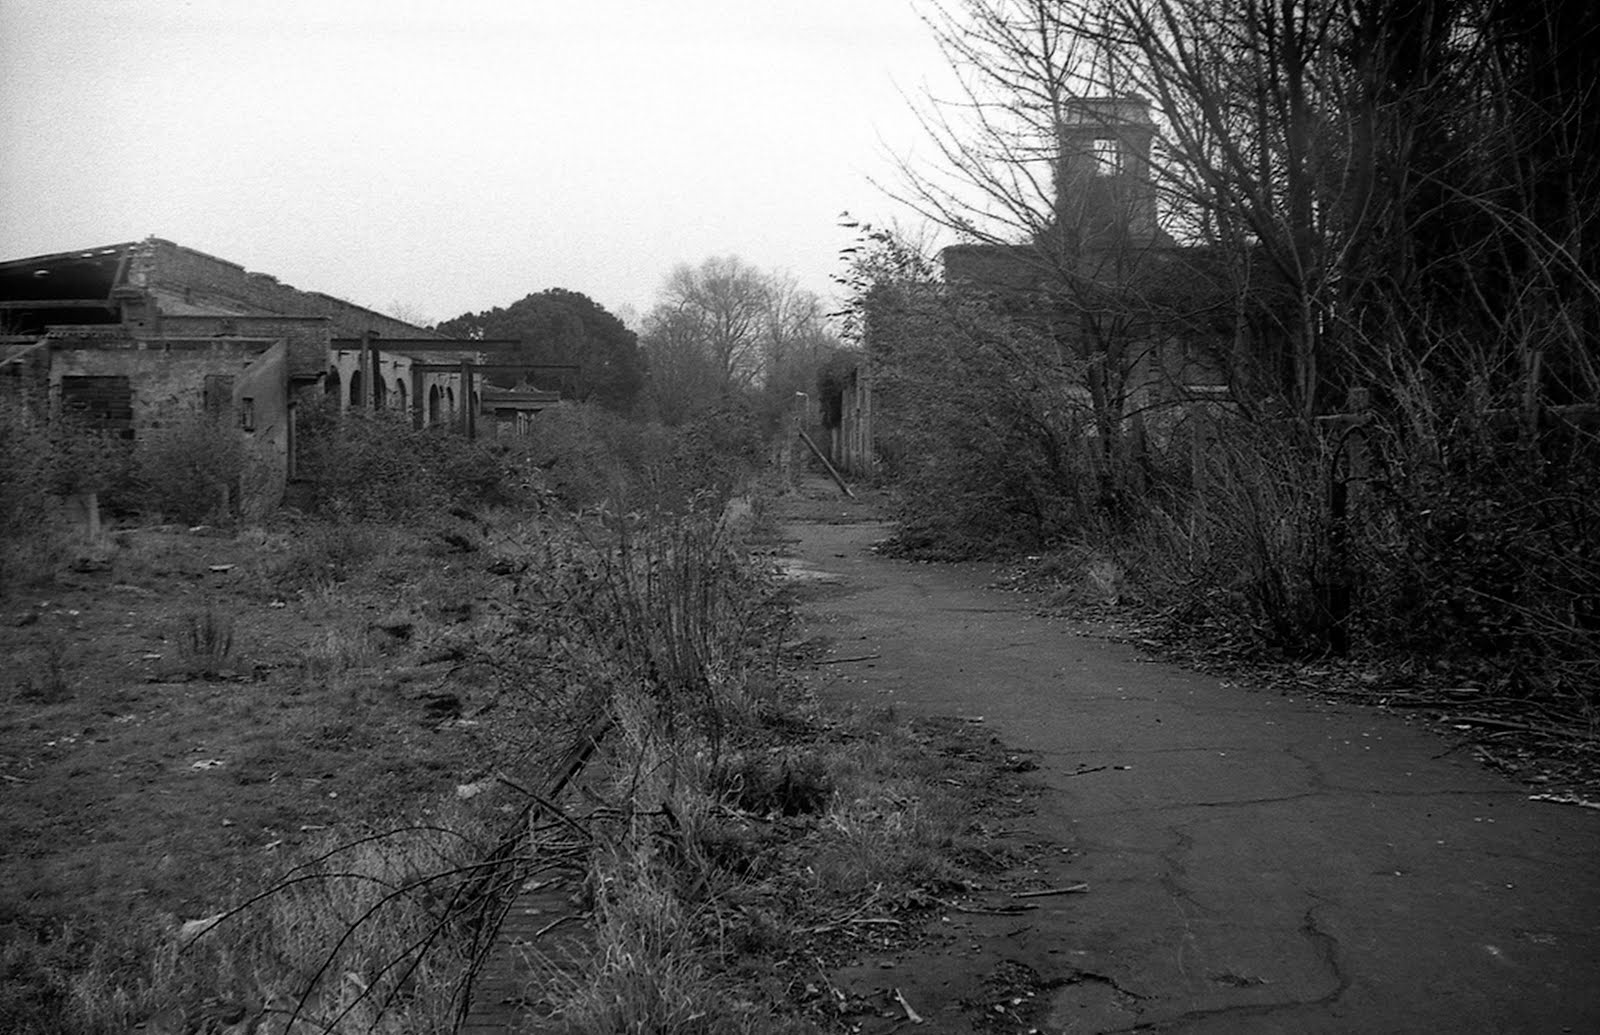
<point x="1257" y="863"/>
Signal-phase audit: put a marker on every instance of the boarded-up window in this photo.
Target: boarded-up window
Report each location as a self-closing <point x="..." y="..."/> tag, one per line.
<point x="105" y="401"/>
<point x="219" y="394"/>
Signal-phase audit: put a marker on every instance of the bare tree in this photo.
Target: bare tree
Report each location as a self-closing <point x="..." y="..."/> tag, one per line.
<point x="723" y="330"/>
<point x="683" y="379"/>
<point x="1049" y="166"/>
<point x="726" y="301"/>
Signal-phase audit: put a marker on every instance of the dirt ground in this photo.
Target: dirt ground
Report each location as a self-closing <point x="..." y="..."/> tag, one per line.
<point x="178" y="716"/>
<point x="1213" y="858"/>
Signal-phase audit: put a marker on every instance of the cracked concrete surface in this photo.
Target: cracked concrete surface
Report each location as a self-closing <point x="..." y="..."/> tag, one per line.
<point x="1256" y="863"/>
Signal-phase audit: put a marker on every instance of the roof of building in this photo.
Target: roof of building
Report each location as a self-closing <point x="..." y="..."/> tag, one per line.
<point x="106" y="284"/>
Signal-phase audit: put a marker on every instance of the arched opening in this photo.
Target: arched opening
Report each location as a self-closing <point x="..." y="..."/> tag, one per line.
<point x="400" y="395"/>
<point x="331" y="385"/>
<point x="380" y="392"/>
<point x="355" y="389"/>
<point x="433" y="404"/>
<point x="450" y="400"/>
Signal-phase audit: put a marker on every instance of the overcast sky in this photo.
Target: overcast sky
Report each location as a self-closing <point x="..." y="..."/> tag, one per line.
<point x="452" y="155"/>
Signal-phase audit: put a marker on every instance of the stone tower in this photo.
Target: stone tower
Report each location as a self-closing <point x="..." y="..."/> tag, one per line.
<point x="1105" y="196"/>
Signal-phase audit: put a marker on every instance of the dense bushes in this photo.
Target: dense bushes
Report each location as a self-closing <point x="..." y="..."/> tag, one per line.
<point x="584" y="456"/>
<point x="188" y="471"/>
<point x="1487" y="550"/>
<point x="376" y="466"/>
<point x="1238" y="538"/>
<point x="1468" y="535"/>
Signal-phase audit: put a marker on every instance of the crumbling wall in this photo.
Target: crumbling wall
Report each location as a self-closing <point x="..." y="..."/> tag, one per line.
<point x="168" y="377"/>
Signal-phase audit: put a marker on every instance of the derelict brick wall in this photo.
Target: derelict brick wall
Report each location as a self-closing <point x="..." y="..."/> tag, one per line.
<point x="167" y="378"/>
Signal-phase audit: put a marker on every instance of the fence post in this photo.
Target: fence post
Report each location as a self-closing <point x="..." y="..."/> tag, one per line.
<point x="1347" y="471"/>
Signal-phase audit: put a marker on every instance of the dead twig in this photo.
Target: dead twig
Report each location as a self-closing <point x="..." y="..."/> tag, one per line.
<point x="850" y="917"/>
<point x="911" y="1015"/>
<point x="1523" y="727"/>
<point x="552" y="925"/>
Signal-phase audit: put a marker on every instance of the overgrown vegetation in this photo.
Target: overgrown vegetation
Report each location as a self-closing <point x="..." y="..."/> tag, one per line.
<point x="464" y="670"/>
<point x="1342" y="402"/>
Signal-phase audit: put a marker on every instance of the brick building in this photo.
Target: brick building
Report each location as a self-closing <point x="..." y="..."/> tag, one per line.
<point x="1151" y="317"/>
<point x="143" y="335"/>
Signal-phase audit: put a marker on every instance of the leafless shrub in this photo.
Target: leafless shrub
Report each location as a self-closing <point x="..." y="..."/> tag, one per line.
<point x="205" y="644"/>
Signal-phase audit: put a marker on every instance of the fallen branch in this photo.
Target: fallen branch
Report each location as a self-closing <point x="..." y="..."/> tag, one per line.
<point x="1071" y="889"/>
<point x="843" y="661"/>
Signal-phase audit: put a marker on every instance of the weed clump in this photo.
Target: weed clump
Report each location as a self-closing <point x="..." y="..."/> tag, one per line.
<point x="205" y="643"/>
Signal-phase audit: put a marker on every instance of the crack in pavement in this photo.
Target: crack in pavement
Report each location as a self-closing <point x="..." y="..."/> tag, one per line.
<point x="1174" y="874"/>
<point x="1327" y="949"/>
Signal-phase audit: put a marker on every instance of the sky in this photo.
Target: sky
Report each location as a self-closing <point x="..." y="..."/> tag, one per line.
<point x="447" y="156"/>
